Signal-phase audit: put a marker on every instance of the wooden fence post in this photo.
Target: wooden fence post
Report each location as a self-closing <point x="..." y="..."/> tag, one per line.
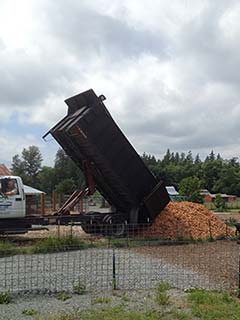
<point x="53" y="201"/>
<point x="42" y="203"/>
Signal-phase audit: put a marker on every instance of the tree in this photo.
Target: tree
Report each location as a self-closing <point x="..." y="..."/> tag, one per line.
<point x="65" y="168"/>
<point x="46" y="179"/>
<point x="197" y="159"/>
<point x="66" y="186"/>
<point x="190" y="187"/>
<point x="17" y="167"/>
<point x="219" y="203"/>
<point x="32" y="161"/>
<point x="29" y="166"/>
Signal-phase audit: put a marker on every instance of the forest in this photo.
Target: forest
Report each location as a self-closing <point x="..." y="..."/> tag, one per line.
<point x="188" y="173"/>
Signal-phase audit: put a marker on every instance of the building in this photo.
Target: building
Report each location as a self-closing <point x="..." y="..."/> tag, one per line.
<point x="172" y="191"/>
<point x="4" y="171"/>
<point x="210" y="197"/>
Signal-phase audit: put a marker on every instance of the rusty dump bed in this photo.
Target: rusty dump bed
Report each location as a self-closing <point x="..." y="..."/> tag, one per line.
<point x="88" y="132"/>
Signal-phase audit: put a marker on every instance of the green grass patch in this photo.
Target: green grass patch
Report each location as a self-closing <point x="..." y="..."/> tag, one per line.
<point x="79" y="288"/>
<point x="58" y="244"/>
<point x="29" y="312"/>
<point x="125" y="298"/>
<point x="209" y="305"/>
<point x="63" y="296"/>
<point x="101" y="300"/>
<point x="161" y="293"/>
<point x="7" y="248"/>
<point x="5" y="298"/>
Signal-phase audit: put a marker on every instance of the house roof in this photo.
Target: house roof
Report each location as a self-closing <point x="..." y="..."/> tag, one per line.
<point x="172" y="191"/>
<point x="4" y="171"/>
<point x="204" y="192"/>
<point x="31" y="191"/>
<point x="223" y="195"/>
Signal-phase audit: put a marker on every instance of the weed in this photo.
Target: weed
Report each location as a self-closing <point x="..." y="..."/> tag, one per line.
<point x="163" y="286"/>
<point x="5" y="298"/>
<point x="231" y="222"/>
<point x="180" y="315"/>
<point x="29" y="312"/>
<point x="125" y="297"/>
<point x="102" y="300"/>
<point x="161" y="295"/>
<point x="63" y="296"/>
<point x="79" y="288"/>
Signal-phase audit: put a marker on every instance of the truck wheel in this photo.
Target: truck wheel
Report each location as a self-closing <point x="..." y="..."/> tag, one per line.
<point x="113" y="227"/>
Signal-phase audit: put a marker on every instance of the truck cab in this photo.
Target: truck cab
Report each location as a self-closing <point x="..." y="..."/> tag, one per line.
<point x="12" y="197"/>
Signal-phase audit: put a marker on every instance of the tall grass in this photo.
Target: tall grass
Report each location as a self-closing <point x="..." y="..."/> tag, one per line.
<point x="58" y="244"/>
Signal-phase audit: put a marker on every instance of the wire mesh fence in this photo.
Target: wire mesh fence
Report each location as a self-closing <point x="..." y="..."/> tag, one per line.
<point x="103" y="264"/>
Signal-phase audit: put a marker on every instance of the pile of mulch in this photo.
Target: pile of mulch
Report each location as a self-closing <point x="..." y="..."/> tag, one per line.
<point x="187" y="220"/>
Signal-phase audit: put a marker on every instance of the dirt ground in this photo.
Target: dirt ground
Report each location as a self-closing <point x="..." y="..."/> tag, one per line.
<point x="218" y="260"/>
<point x="225" y="216"/>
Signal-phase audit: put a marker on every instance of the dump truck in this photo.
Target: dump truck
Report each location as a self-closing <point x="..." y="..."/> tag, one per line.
<point x="91" y="138"/>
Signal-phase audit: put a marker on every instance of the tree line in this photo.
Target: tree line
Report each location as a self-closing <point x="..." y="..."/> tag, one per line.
<point x="187" y="173"/>
<point x="63" y="177"/>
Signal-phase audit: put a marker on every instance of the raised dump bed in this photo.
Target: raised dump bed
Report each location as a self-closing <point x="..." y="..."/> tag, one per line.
<point x="88" y="134"/>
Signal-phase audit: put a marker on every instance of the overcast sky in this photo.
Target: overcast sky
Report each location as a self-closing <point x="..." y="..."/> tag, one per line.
<point x="170" y="71"/>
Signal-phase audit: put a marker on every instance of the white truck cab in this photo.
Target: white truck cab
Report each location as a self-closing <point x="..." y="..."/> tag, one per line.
<point x="12" y="197"/>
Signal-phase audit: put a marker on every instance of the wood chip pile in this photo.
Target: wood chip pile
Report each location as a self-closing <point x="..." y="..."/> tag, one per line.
<point x="187" y="220"/>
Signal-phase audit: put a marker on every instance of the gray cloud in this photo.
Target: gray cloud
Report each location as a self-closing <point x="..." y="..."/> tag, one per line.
<point x="175" y="88"/>
<point x="86" y="33"/>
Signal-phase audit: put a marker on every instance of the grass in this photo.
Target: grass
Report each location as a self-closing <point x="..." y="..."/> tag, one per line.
<point x="5" y="298"/>
<point x="29" y="312"/>
<point x="102" y="300"/>
<point x="7" y="248"/>
<point x="57" y="244"/>
<point x="79" y="288"/>
<point x="195" y="304"/>
<point x="63" y="296"/>
<point x="213" y="305"/>
<point x="125" y="298"/>
<point x="115" y="313"/>
<point x="161" y="293"/>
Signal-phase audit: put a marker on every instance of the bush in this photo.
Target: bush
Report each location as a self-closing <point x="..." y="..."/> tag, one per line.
<point x="219" y="203"/>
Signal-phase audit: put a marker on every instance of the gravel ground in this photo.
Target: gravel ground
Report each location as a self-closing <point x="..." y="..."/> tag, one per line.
<point x="34" y="279"/>
<point x="47" y="305"/>
<point x="94" y="268"/>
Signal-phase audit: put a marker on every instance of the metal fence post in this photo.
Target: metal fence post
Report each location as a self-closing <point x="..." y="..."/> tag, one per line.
<point x="238" y="271"/>
<point x="114" y="283"/>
